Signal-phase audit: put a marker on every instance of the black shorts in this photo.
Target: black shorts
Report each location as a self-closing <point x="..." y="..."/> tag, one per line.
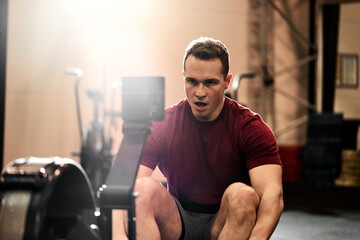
<point x="195" y="226"/>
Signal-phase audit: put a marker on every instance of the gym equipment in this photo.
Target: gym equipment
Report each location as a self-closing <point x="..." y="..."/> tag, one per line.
<point x="143" y="102"/>
<point x="235" y="85"/>
<point x="322" y="154"/>
<point x="236" y="82"/>
<point x="95" y="154"/>
<point x="46" y="198"/>
<point x="79" y="74"/>
<point x="52" y="198"/>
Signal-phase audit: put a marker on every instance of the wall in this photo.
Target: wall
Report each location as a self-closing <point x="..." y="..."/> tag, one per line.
<point x="291" y="47"/>
<point x="109" y="39"/>
<point x="106" y="39"/>
<point x="349" y="34"/>
<point x="276" y="46"/>
<point x="347" y="100"/>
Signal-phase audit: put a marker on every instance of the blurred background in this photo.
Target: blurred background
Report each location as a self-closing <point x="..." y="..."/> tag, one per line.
<point x="295" y="62"/>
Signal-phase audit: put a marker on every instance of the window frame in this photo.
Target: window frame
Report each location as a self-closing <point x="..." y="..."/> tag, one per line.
<point x="342" y="64"/>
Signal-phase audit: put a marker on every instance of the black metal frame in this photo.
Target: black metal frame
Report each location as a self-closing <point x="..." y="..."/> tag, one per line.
<point x="330" y="32"/>
<point x="118" y="193"/>
<point x="3" y="44"/>
<point x="142" y="102"/>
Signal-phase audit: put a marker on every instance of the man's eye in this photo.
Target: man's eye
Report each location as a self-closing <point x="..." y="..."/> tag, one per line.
<point x="191" y="81"/>
<point x="209" y="83"/>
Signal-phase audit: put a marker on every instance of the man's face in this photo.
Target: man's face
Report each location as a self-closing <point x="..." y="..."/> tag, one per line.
<point x="204" y="87"/>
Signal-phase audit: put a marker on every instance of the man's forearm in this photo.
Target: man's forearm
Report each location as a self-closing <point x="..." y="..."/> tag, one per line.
<point x="268" y="215"/>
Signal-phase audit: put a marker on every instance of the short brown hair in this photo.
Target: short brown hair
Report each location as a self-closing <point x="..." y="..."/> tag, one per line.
<point x="206" y="48"/>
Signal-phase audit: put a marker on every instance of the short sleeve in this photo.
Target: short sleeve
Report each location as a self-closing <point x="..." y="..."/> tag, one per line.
<point x="259" y="144"/>
<point x="152" y="149"/>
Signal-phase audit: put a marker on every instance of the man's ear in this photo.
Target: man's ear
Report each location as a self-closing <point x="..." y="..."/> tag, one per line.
<point x="228" y="79"/>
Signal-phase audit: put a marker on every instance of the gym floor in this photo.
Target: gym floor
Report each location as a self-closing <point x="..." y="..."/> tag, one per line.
<point x="319" y="212"/>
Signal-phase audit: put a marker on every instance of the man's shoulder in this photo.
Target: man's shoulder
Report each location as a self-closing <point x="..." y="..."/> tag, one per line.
<point x="178" y="107"/>
<point x="173" y="114"/>
<point x="238" y="110"/>
<point x="179" y="104"/>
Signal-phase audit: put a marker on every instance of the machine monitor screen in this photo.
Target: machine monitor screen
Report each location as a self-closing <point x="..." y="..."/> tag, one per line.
<point x="143" y="98"/>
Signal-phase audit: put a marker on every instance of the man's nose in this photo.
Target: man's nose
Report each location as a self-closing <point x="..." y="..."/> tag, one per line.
<point x="200" y="91"/>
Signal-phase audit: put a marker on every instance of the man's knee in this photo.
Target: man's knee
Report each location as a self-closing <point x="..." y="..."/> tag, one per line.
<point x="238" y="206"/>
<point x="241" y="198"/>
<point x="149" y="191"/>
<point x="146" y="185"/>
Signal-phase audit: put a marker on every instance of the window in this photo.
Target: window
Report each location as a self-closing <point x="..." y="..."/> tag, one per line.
<point x="347" y="74"/>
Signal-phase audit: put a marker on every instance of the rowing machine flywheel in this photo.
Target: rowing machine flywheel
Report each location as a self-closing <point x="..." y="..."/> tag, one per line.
<point x="47" y="199"/>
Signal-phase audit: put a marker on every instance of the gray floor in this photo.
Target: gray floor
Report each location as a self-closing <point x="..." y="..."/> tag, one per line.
<point x="302" y="225"/>
<point x="313" y="213"/>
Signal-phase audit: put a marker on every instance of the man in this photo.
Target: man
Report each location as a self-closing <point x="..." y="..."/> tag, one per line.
<point x="220" y="160"/>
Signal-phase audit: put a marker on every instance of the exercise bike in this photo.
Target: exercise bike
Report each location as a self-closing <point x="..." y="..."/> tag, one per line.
<point x="53" y="198"/>
<point x="95" y="155"/>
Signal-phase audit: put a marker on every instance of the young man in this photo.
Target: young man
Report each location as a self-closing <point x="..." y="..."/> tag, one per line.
<point x="220" y="160"/>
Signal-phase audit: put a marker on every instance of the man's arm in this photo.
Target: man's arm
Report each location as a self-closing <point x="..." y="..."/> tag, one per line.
<point x="119" y="217"/>
<point x="267" y="182"/>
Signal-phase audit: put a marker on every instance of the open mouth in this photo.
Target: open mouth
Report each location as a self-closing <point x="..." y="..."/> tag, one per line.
<point x="200" y="104"/>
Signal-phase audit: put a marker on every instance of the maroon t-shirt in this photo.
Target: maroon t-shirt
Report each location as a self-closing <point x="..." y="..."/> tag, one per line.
<point x="201" y="159"/>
